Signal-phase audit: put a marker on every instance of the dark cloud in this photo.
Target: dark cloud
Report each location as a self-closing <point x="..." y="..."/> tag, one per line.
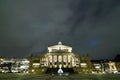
<point x="90" y="26"/>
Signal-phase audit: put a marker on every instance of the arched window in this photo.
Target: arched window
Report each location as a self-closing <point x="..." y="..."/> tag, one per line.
<point x="64" y="58"/>
<point x="50" y="58"/>
<point x="69" y="58"/>
<point x="60" y="58"/>
<point x="55" y="58"/>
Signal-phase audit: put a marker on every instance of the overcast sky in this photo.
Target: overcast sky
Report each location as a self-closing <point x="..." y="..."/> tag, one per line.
<point x="90" y="26"/>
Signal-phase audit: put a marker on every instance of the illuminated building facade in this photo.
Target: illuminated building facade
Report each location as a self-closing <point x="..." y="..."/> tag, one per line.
<point x="58" y="55"/>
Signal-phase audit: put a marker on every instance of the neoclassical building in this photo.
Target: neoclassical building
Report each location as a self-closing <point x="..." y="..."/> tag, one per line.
<point x="58" y="56"/>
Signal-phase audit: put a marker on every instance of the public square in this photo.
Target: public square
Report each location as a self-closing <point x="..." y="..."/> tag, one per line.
<point x="59" y="39"/>
<point x="19" y="76"/>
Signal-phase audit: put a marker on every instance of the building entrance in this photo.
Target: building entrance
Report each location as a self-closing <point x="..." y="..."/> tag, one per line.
<point x="55" y="70"/>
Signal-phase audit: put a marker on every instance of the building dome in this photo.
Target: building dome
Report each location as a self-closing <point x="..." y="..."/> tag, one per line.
<point x="59" y="43"/>
<point x="59" y="47"/>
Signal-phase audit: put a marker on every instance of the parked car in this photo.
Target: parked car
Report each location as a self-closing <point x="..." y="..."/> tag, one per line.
<point x="118" y="72"/>
<point x="14" y="71"/>
<point x="5" y="71"/>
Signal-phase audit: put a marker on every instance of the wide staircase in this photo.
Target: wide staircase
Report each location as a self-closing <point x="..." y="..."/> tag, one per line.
<point x="55" y="70"/>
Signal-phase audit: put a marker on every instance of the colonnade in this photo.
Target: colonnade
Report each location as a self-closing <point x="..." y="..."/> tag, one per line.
<point x="65" y="61"/>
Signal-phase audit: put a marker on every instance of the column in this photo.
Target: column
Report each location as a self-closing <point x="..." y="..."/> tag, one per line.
<point x="69" y="61"/>
<point x="55" y="60"/>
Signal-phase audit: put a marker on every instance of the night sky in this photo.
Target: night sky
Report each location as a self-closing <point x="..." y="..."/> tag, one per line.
<point x="90" y="26"/>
